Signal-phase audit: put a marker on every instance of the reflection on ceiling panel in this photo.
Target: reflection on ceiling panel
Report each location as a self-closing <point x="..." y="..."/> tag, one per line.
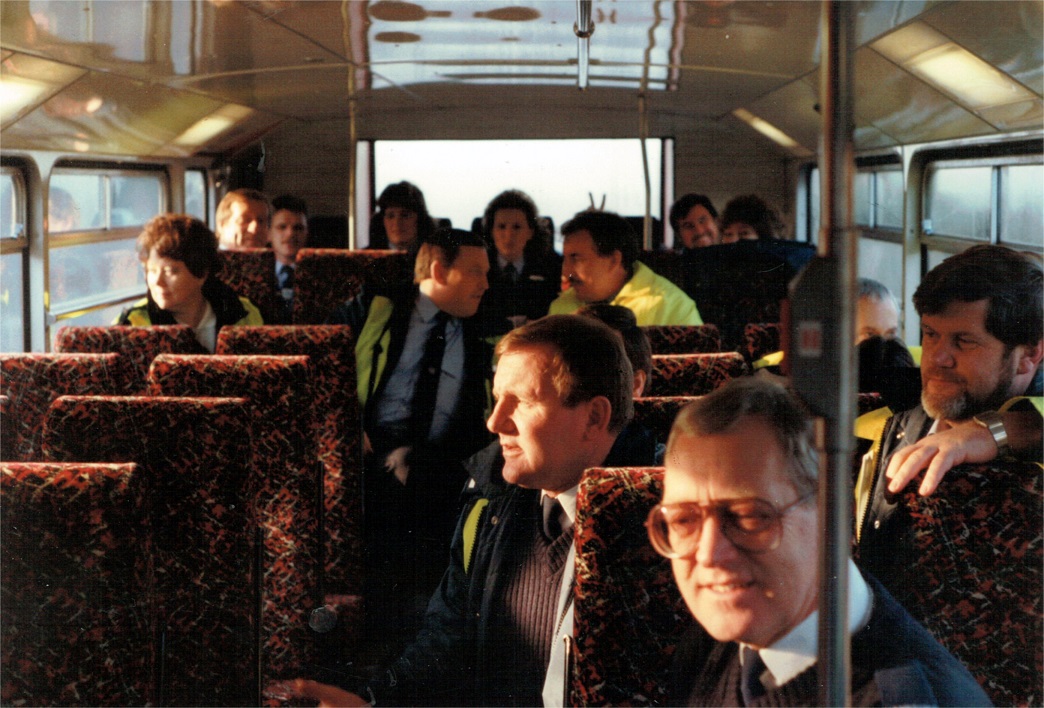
<point x="522" y="43"/>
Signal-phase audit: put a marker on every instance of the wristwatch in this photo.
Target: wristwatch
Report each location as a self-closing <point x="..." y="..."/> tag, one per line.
<point x="991" y="420"/>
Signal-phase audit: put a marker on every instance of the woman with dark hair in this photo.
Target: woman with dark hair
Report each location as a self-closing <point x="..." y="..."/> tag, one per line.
<point x="180" y="256"/>
<point x="402" y="219"/>
<point x="749" y="218"/>
<point x="524" y="270"/>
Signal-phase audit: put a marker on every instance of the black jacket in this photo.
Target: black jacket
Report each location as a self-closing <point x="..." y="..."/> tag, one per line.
<point x="445" y="663"/>
<point x="530" y="295"/>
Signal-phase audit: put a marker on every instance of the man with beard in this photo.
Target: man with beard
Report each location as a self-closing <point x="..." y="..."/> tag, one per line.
<point x="981" y="330"/>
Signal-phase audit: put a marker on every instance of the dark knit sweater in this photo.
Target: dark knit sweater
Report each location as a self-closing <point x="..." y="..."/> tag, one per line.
<point x="527" y="614"/>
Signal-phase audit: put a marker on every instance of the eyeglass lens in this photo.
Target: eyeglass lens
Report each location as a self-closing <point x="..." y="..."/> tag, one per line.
<point x="750" y="524"/>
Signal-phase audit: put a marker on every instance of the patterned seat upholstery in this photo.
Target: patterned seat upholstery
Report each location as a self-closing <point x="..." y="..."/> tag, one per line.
<point x="194" y="453"/>
<point x="657" y="413"/>
<point x="138" y="345"/>
<point x="760" y="339"/>
<point x="331" y="352"/>
<point x="76" y="604"/>
<point x="971" y="571"/>
<point x="283" y="484"/>
<point x="679" y="339"/>
<point x="250" y="272"/>
<point x="693" y="374"/>
<point x="628" y="612"/>
<point x="32" y="381"/>
<point x="326" y="277"/>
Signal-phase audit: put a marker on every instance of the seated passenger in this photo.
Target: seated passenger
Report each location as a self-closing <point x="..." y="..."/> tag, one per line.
<point x="243" y="217"/>
<point x="402" y="221"/>
<point x="739" y="523"/>
<point x="749" y="218"/>
<point x="525" y="272"/>
<point x="289" y="234"/>
<point x="877" y="314"/>
<point x="601" y="265"/>
<point x="493" y="632"/>
<point x="695" y="222"/>
<point x="180" y="255"/>
<point x="981" y="327"/>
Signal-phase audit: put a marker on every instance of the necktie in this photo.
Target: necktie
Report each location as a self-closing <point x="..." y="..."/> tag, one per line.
<point x="556" y="520"/>
<point x="753" y="668"/>
<point x="425" y="393"/>
<point x="286" y="277"/>
<point x="511" y="272"/>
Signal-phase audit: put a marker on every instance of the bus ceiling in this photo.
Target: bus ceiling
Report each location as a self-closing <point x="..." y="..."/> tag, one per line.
<point x="174" y="79"/>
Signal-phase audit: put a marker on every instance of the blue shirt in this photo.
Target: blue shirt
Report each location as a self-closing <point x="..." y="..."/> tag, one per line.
<point x="394" y="407"/>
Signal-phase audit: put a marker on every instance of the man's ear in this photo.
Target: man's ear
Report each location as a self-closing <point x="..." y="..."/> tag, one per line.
<point x="599" y="411"/>
<point x="1029" y="358"/>
<point x="438" y="271"/>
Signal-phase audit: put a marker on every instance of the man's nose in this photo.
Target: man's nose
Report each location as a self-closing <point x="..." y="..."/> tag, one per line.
<point x="941" y="354"/>
<point x="714" y="547"/>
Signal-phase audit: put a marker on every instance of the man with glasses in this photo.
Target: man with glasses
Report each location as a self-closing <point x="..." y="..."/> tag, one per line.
<point x="739" y="523"/>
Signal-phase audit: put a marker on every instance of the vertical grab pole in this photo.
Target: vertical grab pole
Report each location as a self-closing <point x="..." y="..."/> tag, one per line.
<point x="836" y="431"/>
<point x="821" y="354"/>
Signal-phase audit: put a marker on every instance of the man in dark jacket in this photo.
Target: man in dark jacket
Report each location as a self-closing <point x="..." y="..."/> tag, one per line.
<point x="493" y="629"/>
<point x="423" y="373"/>
<point x="739" y="523"/>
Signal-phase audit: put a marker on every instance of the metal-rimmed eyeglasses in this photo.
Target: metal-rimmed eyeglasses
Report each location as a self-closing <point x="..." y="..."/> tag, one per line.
<point x="752" y="524"/>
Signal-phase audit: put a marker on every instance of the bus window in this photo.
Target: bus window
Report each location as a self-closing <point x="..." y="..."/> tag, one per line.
<point x="196" y="194"/>
<point x="562" y="176"/>
<point x="958" y="201"/>
<point x="94" y="217"/>
<point x="1021" y="205"/>
<point x="12" y="260"/>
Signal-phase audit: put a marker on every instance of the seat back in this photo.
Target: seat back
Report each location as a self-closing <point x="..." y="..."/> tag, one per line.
<point x="682" y="339"/>
<point x="737" y="283"/>
<point x="32" y="381"/>
<point x="77" y="600"/>
<point x="693" y="374"/>
<point x="283" y="484"/>
<point x="138" y="346"/>
<point x="326" y="277"/>
<point x="971" y="571"/>
<point x="657" y="413"/>
<point x="629" y="614"/>
<point x="760" y="339"/>
<point x="331" y="354"/>
<point x="250" y="272"/>
<point x="195" y="454"/>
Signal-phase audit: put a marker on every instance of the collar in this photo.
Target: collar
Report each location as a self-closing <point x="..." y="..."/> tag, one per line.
<point x="798" y="650"/>
<point x="568" y="501"/>
<point x="503" y="263"/>
<point x="427" y="308"/>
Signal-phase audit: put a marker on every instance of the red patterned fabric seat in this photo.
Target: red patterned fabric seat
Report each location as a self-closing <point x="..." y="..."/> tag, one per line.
<point x="194" y="453"/>
<point x="32" y="381"/>
<point x="679" y="339"/>
<point x="972" y="573"/>
<point x="326" y="277"/>
<point x="138" y="345"/>
<point x="330" y="349"/>
<point x="77" y="599"/>
<point x="761" y="339"/>
<point x="657" y="413"/>
<point x="628" y="612"/>
<point x="283" y="485"/>
<point x="693" y="374"/>
<point x="251" y="273"/>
